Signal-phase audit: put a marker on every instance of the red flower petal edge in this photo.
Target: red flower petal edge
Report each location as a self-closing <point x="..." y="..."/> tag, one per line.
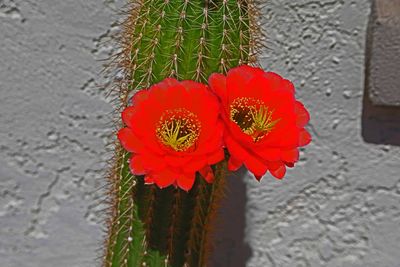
<point x="263" y="122"/>
<point x="173" y="130"/>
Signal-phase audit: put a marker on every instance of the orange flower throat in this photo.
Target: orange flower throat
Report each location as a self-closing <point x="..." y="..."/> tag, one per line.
<point x="253" y="117"/>
<point x="178" y="129"/>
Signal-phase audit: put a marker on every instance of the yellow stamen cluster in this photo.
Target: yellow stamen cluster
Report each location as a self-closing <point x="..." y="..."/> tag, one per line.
<point x="253" y="117"/>
<point x="178" y="129"/>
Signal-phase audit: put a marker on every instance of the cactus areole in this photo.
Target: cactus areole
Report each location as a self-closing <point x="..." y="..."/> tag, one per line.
<point x="192" y="108"/>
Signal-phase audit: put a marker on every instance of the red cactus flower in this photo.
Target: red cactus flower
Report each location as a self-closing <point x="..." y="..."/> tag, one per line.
<point x="264" y="123"/>
<point x="173" y="130"/>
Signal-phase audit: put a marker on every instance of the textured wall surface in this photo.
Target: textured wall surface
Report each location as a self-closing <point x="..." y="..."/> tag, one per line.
<point x="53" y="126"/>
<point x="339" y="207"/>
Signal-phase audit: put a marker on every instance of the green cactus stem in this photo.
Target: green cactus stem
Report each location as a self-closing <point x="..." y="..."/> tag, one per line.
<point x="185" y="39"/>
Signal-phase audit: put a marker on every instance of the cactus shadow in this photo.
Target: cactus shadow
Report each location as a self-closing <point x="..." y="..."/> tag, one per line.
<point x="230" y="248"/>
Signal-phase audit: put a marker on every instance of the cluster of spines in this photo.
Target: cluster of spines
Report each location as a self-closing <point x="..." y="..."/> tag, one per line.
<point x="185" y="39"/>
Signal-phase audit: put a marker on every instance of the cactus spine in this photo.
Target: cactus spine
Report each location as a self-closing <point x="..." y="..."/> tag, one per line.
<point x="185" y="39"/>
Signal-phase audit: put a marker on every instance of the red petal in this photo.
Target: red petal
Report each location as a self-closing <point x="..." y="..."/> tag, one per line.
<point x="289" y="164"/>
<point x="270" y="154"/>
<point x="274" y="79"/>
<point x="148" y="179"/>
<point x="129" y="140"/>
<point x="195" y="164"/>
<point x="175" y="161"/>
<point x="200" y="94"/>
<point x="217" y="83"/>
<point x="169" y="93"/>
<point x="255" y="166"/>
<point x="192" y="85"/>
<point x="153" y="163"/>
<point x="136" y="165"/>
<point x="239" y="135"/>
<point x="139" y="96"/>
<point x="166" y="84"/>
<point x="277" y="169"/>
<point x="267" y="87"/>
<point x="238" y="78"/>
<point x="288" y="85"/>
<point x="216" y="157"/>
<point x="258" y="177"/>
<point x="302" y="115"/>
<point x="207" y="173"/>
<point x="304" y="137"/>
<point x="244" y="73"/>
<point x="235" y="149"/>
<point x="165" y="178"/>
<point x="186" y="181"/>
<point x="128" y="116"/>
<point x="234" y="164"/>
<point x="291" y="155"/>
<point x="214" y="142"/>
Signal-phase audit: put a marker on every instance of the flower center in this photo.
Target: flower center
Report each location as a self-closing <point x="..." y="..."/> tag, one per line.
<point x="178" y="129"/>
<point x="253" y="117"/>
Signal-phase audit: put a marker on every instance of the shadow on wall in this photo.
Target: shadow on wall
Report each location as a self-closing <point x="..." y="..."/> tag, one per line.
<point x="230" y="249"/>
<point x="380" y="125"/>
<point x="381" y="112"/>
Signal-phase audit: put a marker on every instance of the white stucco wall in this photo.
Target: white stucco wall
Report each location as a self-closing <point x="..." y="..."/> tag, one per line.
<point x="341" y="205"/>
<point x="53" y="126"/>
